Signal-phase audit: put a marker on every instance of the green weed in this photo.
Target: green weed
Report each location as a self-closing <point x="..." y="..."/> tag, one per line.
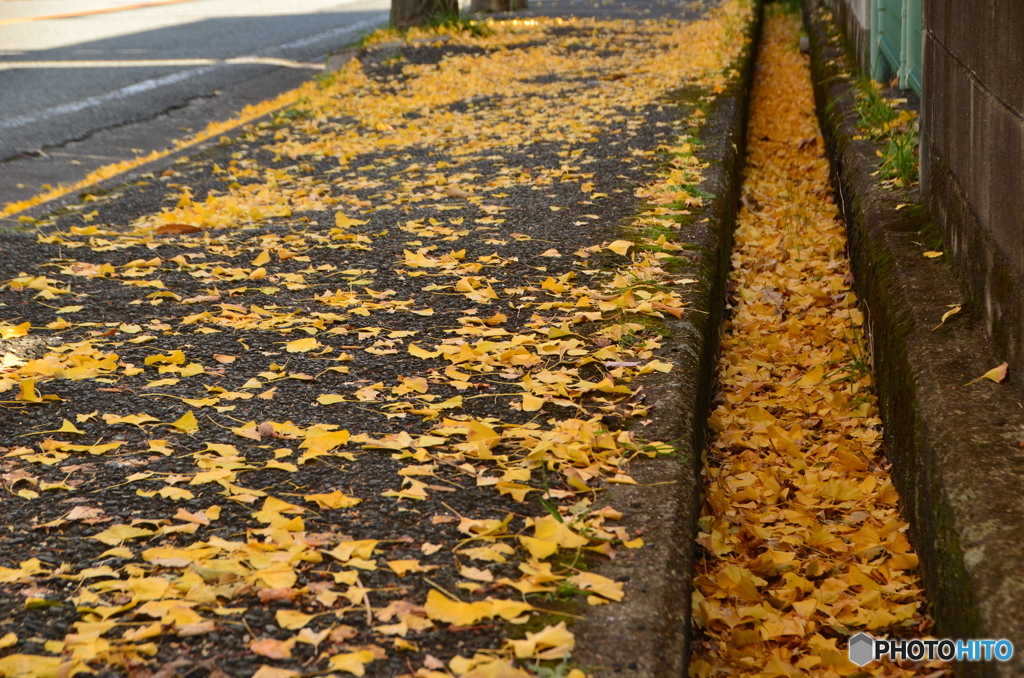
<point x="297" y="111"/>
<point x="856" y="363"/>
<point x="453" y="19"/>
<point x="897" y="129"/>
<point x="566" y="591"/>
<point x="789" y="6"/>
<point x="874" y="110"/>
<point x="556" y="671"/>
<point x="900" y="158"/>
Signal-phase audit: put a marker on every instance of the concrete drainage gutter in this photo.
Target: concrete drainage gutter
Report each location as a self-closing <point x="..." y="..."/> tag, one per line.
<point x="648" y="634"/>
<point x="955" y="450"/>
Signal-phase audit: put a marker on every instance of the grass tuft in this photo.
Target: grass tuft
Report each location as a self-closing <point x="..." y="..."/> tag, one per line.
<point x="897" y="129"/>
<point x="453" y="19"/>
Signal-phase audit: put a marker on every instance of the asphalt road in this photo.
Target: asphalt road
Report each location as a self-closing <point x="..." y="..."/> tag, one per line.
<point x="82" y="90"/>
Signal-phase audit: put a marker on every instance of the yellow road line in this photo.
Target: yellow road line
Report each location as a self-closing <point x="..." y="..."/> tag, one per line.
<point x="89" y="12"/>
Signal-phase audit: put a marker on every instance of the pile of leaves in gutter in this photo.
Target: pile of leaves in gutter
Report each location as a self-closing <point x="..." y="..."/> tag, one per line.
<point x="343" y="398"/>
<point x="802" y="541"/>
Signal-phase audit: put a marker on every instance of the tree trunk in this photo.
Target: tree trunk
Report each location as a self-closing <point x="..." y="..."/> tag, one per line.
<point x="406" y="13"/>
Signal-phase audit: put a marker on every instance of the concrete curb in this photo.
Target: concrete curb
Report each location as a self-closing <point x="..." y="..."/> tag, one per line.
<point x="955" y="451"/>
<point x="648" y="634"/>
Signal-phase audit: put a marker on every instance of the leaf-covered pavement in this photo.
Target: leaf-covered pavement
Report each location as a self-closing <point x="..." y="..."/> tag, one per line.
<point x="802" y="541"/>
<point x="342" y="397"/>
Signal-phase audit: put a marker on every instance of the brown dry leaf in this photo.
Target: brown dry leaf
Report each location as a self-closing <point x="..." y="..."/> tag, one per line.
<point x="177" y="229"/>
<point x="266" y="671"/>
<point x="84" y="513"/>
<point x="197" y="518"/>
<point x="202" y="298"/>
<point x="273" y="649"/>
<point x="282" y="594"/>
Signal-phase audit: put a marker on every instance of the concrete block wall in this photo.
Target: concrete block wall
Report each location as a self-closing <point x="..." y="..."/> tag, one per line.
<point x="852" y="16"/>
<point x="972" y="153"/>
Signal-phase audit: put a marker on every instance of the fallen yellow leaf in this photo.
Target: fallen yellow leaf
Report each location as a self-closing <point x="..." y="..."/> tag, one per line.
<point x="302" y="345"/>
<point x="619" y="246"/>
<point x="996" y="374"/>
<point x="186" y="423"/>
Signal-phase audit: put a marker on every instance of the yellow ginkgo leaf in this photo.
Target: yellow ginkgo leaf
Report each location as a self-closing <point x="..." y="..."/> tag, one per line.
<point x="115" y="534"/>
<point x="352" y="662"/>
<point x="552" y="641"/>
<point x="537" y="548"/>
<point x="996" y="374"/>
<point x="442" y="608"/>
<point x="66" y="427"/>
<point x="342" y="220"/>
<point x="14" y="331"/>
<point x="549" y="529"/>
<point x="332" y="500"/>
<point x="148" y="588"/>
<point x="27" y="392"/>
<point x="403" y="567"/>
<point x="266" y="671"/>
<point x="812" y="378"/>
<point x="947" y="314"/>
<point x="172" y="358"/>
<point x="175" y="493"/>
<point x="261" y="258"/>
<point x="501" y="669"/>
<point x="29" y="665"/>
<point x="302" y="345"/>
<point x="532" y="403"/>
<point x="619" y="246"/>
<point x="418" y="352"/>
<point x="186" y="423"/>
<point x="476" y="573"/>
<point x="293" y="620"/>
<point x="595" y="583"/>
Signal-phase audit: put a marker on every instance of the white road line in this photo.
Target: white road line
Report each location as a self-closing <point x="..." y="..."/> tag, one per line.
<point x="155" y="83"/>
<point x="150" y="63"/>
<point x="99" y="100"/>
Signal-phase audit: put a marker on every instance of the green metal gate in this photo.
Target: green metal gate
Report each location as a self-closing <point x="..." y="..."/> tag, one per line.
<point x="896" y="41"/>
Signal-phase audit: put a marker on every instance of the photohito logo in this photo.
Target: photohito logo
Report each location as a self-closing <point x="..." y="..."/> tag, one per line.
<point x="865" y="649"/>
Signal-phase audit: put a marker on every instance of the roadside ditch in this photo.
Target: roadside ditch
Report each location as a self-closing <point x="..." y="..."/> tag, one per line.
<point x="954" y="441"/>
